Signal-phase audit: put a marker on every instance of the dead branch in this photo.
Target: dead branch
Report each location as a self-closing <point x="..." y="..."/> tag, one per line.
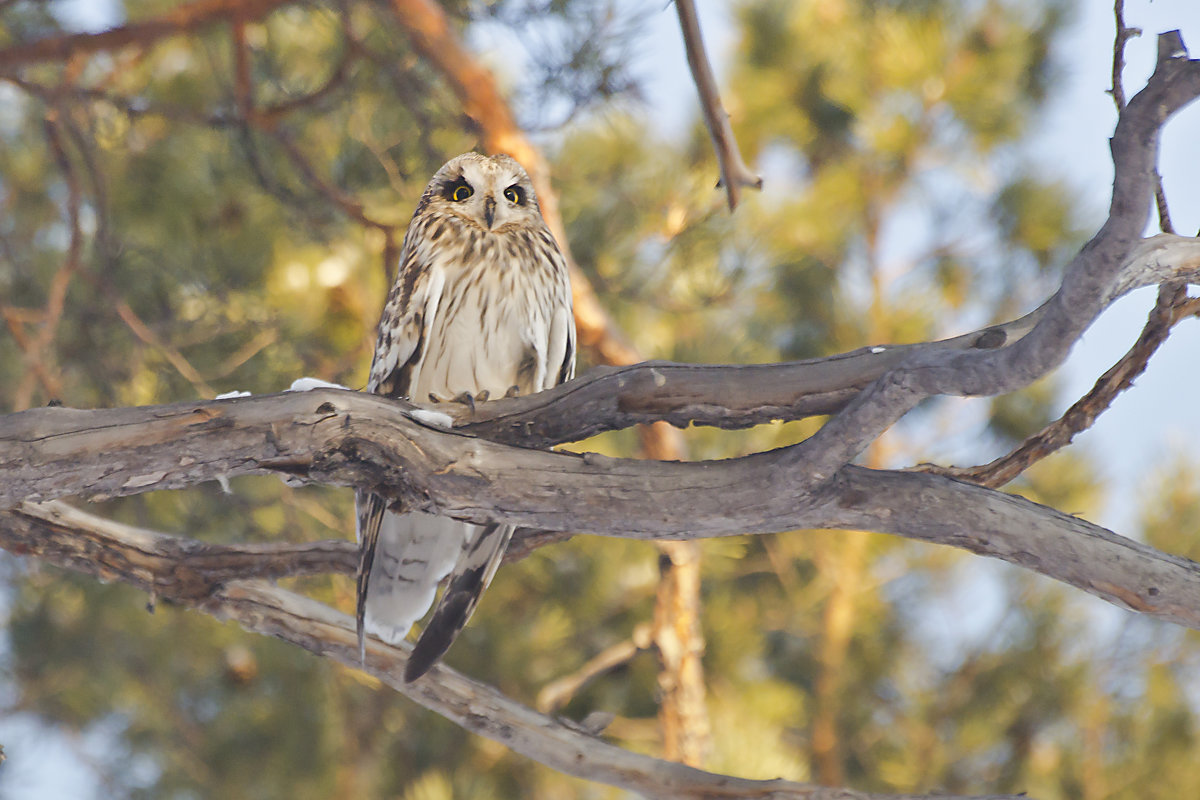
<point x="154" y="562"/>
<point x="352" y="439"/>
<point x="734" y="173"/>
<point x="739" y="396"/>
<point x="1120" y="39"/>
<point x="164" y="566"/>
<point x="1088" y="285"/>
<point x="1172" y="306"/>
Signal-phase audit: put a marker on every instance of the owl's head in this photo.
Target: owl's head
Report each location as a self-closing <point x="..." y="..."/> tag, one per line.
<point x="491" y="192"/>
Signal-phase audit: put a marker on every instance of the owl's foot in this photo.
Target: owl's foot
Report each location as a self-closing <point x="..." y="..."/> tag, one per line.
<point x="513" y="391"/>
<point x="469" y="400"/>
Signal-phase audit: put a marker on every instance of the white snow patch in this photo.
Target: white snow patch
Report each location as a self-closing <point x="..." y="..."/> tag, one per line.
<point x="436" y="419"/>
<point x="308" y="384"/>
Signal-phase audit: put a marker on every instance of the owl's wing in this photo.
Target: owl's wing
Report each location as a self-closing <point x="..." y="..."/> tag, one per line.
<point x="473" y="572"/>
<point x="411" y="306"/>
<point x="561" y="352"/>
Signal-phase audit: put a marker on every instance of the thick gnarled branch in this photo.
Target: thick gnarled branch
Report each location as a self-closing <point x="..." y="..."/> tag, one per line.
<point x="353" y="439"/>
<point x="154" y="562"/>
<point x="739" y="396"/>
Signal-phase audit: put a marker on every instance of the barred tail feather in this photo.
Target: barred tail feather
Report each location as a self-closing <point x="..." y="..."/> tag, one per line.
<point x="400" y="570"/>
<point x="474" y="571"/>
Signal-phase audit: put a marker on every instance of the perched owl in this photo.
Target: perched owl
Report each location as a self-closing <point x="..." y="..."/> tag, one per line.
<point x="481" y="307"/>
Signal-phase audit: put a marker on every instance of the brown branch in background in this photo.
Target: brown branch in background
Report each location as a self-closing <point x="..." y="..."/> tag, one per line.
<point x="269" y="116"/>
<point x="1172" y="306"/>
<point x="558" y="693"/>
<point x="349" y="205"/>
<point x="258" y="342"/>
<point x="681" y="710"/>
<point x="40" y="346"/>
<point x="175" y="358"/>
<point x="16" y="319"/>
<point x="176" y="21"/>
<point x="734" y="172"/>
<point x="243" y="83"/>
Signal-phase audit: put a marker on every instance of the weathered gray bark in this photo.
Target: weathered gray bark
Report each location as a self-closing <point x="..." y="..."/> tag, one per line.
<point x="182" y="570"/>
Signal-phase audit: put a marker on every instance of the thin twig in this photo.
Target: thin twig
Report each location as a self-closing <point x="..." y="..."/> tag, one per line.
<point x="734" y="172"/>
<point x="147" y="336"/>
<point x="558" y="693"/>
<point x="1173" y="305"/>
<point x="262" y="339"/>
<point x="1122" y="37"/>
<point x="39" y="350"/>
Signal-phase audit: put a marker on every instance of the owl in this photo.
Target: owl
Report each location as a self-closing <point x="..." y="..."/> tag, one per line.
<point x="480" y="308"/>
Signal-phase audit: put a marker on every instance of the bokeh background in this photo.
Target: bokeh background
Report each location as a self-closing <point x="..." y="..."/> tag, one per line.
<point x="929" y="167"/>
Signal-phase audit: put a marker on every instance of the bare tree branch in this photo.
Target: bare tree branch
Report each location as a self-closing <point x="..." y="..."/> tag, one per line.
<point x="162" y="564"/>
<point x="561" y="691"/>
<point x="1120" y="39"/>
<point x="1172" y="306"/>
<point x="353" y="439"/>
<point x="734" y="172"/>
<point x="1089" y="283"/>
<point x="179" y="20"/>
<point x="165" y="566"/>
<point x="739" y="396"/>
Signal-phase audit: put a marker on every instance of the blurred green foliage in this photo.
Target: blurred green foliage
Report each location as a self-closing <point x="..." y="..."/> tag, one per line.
<point x="896" y="208"/>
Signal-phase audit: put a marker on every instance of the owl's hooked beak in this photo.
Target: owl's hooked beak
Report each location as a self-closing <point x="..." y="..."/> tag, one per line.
<point x="489" y="211"/>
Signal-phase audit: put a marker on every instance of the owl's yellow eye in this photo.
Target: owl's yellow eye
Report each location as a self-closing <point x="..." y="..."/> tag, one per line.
<point x="461" y="192"/>
<point x="515" y="194"/>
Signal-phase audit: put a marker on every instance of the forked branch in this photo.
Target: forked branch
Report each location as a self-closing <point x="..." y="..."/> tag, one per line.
<point x="152" y="561"/>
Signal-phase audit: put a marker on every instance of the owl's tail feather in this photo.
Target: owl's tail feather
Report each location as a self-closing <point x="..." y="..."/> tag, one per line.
<point x="370" y="515"/>
<point x="403" y="558"/>
<point x="472" y="574"/>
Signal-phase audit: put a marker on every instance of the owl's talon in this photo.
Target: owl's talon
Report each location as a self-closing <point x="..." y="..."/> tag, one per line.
<point x="466" y="399"/>
<point x="513" y="391"/>
<point x="433" y="398"/>
<point x="483" y="396"/>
